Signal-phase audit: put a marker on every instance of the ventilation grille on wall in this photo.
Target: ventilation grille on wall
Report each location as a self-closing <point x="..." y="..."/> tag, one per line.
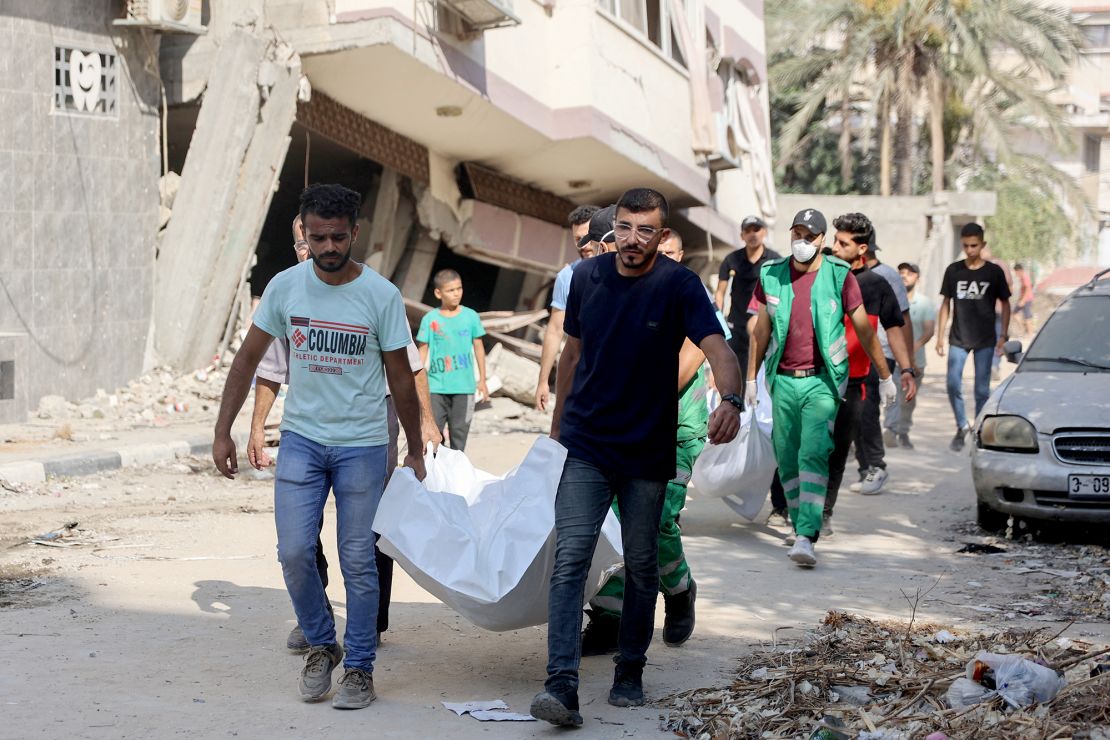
<point x="84" y="82"/>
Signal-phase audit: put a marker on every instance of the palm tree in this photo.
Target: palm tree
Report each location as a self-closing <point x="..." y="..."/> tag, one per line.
<point x="1002" y="57"/>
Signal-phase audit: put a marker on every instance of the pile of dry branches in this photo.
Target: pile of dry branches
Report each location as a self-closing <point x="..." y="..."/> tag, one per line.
<point x="869" y="679"/>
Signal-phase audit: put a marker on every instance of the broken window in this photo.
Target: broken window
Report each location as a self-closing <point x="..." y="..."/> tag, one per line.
<point x="649" y="18"/>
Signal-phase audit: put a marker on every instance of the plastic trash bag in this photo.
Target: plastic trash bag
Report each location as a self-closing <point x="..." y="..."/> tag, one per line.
<point x="964" y="692"/>
<point x="1019" y="681"/>
<point x="741" y="471"/>
<point x="482" y="544"/>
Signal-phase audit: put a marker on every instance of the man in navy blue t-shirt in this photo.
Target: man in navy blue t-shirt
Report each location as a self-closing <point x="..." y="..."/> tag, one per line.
<point x="616" y="410"/>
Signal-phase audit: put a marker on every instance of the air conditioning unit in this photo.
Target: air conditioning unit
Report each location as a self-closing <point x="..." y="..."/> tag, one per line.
<point x="481" y="15"/>
<point x="727" y="156"/>
<point x="182" y="16"/>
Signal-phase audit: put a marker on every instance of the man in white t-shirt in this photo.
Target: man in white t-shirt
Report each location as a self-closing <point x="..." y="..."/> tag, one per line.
<point x="272" y="372"/>
<point x="347" y="332"/>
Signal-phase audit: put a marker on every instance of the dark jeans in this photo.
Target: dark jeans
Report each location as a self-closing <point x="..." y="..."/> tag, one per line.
<point x="844" y="431"/>
<point x="869" y="434"/>
<point x="584" y="497"/>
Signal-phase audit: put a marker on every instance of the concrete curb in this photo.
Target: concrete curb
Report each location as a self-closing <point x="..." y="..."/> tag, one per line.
<point x="101" y="460"/>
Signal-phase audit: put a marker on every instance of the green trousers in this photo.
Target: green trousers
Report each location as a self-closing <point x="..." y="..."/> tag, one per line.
<point x="674" y="573"/>
<point x="804" y="414"/>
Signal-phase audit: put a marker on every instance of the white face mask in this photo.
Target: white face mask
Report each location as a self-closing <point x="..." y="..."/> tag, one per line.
<point x="803" y="251"/>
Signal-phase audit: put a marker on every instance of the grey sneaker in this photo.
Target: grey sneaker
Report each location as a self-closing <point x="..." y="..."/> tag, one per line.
<point x="890" y="439"/>
<point x="904" y="441"/>
<point x="316" y="675"/>
<point x="296" y="643"/>
<point x="789" y="538"/>
<point x="826" y="526"/>
<point x="855" y="487"/>
<point x="873" y="483"/>
<point x="355" y="690"/>
<point x="802" y="553"/>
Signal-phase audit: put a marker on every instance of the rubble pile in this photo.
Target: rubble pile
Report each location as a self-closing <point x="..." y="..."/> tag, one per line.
<point x="506" y="416"/>
<point x="854" y="677"/>
<point x="1063" y="581"/>
<point x="151" y="400"/>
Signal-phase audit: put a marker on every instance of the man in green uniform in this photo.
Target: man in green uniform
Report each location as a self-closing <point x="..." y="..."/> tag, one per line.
<point x="675" y="582"/>
<point x="800" y="330"/>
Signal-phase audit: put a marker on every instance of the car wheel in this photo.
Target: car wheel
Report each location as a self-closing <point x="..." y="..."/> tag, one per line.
<point x="989" y="519"/>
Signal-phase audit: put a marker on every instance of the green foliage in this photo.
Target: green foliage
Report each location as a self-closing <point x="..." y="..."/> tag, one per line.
<point x="815" y="166"/>
<point x="1029" y="222"/>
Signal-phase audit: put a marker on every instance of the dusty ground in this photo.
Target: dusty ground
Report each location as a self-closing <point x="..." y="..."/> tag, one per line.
<point x="171" y="618"/>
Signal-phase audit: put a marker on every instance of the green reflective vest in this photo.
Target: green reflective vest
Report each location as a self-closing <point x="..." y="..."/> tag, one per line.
<point x="826" y="307"/>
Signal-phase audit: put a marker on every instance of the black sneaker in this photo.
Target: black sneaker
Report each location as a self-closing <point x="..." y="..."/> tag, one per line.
<point x="628" y="685"/>
<point x="957" y="443"/>
<point x="557" y="705"/>
<point x="601" y="633"/>
<point x="315" y="680"/>
<point x="678" y="620"/>
<point x="296" y="642"/>
<point x="355" y="690"/>
<point x="904" y="441"/>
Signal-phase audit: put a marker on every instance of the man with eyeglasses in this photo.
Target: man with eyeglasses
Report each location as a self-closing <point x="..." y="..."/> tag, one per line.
<point x="616" y="411"/>
<point x="800" y="331"/>
<point x="740" y="272"/>
<point x="580" y="219"/>
<point x="675" y="580"/>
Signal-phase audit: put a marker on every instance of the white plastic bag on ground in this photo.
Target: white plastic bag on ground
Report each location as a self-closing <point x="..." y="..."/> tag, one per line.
<point x="482" y="544"/>
<point x="1019" y="681"/>
<point x="741" y="471"/>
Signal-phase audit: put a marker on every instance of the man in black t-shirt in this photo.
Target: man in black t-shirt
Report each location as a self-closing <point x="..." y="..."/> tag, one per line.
<point x="616" y="411"/>
<point x="852" y="245"/>
<point x="742" y="269"/>
<point x="970" y="289"/>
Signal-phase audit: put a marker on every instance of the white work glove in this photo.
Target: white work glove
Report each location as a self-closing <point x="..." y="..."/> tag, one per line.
<point x="888" y="392"/>
<point x="751" y="394"/>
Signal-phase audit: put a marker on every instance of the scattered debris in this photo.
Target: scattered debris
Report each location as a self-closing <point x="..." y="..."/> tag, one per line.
<point x="978" y="548"/>
<point x="857" y="677"/>
<point x="494" y="710"/>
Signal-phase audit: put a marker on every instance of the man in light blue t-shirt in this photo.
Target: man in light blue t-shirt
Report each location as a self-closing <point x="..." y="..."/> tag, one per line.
<point x="347" y="332"/>
<point x="581" y="224"/>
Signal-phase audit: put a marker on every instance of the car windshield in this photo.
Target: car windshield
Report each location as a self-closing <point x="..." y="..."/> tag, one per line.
<point x="1075" y="338"/>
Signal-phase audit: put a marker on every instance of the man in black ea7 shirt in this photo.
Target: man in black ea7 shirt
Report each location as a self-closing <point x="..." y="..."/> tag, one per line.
<point x="616" y="412"/>
<point x="970" y="289"/>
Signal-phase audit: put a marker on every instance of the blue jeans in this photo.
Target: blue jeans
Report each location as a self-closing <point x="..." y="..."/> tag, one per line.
<point x="585" y="494"/>
<point x="306" y="471"/>
<point x="957" y="358"/>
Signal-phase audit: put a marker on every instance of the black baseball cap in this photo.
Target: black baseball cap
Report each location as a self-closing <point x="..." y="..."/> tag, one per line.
<point x="812" y="219"/>
<point x="601" y="227"/>
<point x="752" y="221"/>
<point x="910" y="266"/>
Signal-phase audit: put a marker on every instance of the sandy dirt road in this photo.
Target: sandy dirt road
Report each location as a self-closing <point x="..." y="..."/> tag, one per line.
<point x="172" y="621"/>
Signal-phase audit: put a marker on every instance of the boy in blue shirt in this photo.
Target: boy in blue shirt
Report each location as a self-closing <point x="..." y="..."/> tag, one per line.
<point x="450" y="346"/>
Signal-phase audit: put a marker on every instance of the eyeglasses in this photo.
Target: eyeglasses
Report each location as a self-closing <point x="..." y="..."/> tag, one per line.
<point x="644" y="234"/>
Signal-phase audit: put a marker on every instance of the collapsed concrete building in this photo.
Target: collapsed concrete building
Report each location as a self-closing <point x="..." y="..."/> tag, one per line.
<point x="155" y="150"/>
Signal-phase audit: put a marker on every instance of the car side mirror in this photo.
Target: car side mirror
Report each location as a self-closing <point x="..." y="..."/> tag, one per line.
<point x="1012" y="350"/>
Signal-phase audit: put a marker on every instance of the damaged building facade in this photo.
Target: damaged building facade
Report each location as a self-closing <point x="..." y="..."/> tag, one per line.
<point x="472" y="127"/>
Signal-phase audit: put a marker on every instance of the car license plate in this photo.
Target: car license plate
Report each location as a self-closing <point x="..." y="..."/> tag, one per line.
<point x="1080" y="486"/>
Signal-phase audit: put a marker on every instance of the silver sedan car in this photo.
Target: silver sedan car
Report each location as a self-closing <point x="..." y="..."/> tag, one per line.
<point x="1042" y="442"/>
